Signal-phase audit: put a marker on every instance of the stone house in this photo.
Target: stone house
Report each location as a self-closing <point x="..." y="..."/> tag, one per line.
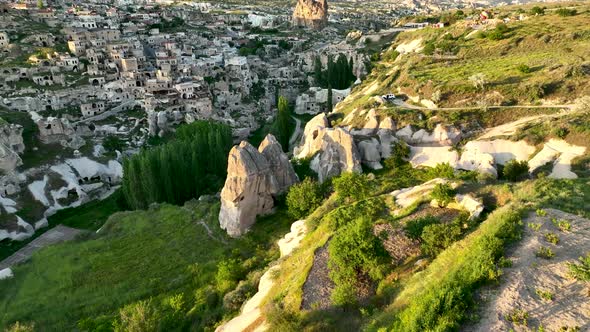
<point x="92" y="108"/>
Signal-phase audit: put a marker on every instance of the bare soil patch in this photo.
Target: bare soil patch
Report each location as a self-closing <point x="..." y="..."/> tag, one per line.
<point x="540" y="291"/>
<point x="318" y="286"/>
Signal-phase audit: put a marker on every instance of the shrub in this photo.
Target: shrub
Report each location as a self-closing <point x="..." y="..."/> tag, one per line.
<point x="580" y="271"/>
<point x="541" y="212"/>
<point x="515" y="170"/>
<point x="442" y="170"/>
<point x="429" y="48"/>
<point x="415" y="227"/>
<point x="352" y="185"/>
<point x="537" y="10"/>
<point x="303" y="198"/>
<point x="563" y="12"/>
<point x="524" y="69"/>
<point x="443" y="193"/>
<point x="355" y="250"/>
<point x="518" y="317"/>
<point x="545" y="295"/>
<point x="229" y="271"/>
<point x="495" y="35"/>
<point x="400" y="152"/>
<point x="141" y="316"/>
<point x="562" y="224"/>
<point x="545" y="253"/>
<point x="535" y="226"/>
<point x="21" y="327"/>
<point x="552" y="238"/>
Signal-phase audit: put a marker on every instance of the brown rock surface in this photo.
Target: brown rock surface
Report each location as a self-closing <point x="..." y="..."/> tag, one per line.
<point x="279" y="163"/>
<point x="311" y="13"/>
<point x="248" y="189"/>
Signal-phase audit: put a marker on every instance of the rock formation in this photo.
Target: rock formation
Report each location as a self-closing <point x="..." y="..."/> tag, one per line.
<point x="311" y="13"/>
<point x="11" y="145"/>
<point x="11" y="134"/>
<point x="280" y="165"/>
<point x="370" y="151"/>
<point x="253" y="178"/>
<point x="333" y="149"/>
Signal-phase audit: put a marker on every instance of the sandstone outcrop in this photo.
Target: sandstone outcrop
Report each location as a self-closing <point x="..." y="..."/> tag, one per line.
<point x="370" y="153"/>
<point x="279" y="163"/>
<point x="311" y="13"/>
<point x="333" y="149"/>
<point x="254" y="177"/>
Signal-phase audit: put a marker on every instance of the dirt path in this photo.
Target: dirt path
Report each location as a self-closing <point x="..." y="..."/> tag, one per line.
<point x="539" y="289"/>
<point x="410" y="106"/>
<point x="318" y="286"/>
<point x="57" y="234"/>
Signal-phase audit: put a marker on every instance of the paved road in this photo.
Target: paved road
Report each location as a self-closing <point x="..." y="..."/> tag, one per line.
<point x="57" y="234"/>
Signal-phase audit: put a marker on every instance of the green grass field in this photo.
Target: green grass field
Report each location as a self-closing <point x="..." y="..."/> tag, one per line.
<point x="137" y="255"/>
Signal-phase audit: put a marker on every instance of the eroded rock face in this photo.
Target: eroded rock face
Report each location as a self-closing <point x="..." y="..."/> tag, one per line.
<point x="279" y="163"/>
<point x="248" y="189"/>
<point x="311" y="13"/>
<point x="338" y="154"/>
<point x="333" y="149"/>
<point x="12" y="135"/>
<point x="311" y="141"/>
<point x="9" y="160"/>
<point x="370" y="151"/>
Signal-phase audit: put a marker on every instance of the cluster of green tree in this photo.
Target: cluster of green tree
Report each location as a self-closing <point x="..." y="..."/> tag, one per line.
<point x="281" y="128"/>
<point x="498" y="33"/>
<point x="252" y="47"/>
<point x="180" y="170"/>
<point x="168" y="25"/>
<point x="339" y="74"/>
<point x="259" y="30"/>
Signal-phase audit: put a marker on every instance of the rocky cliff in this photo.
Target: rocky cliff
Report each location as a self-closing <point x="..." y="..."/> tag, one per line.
<point x="311" y="13"/>
<point x="253" y="178"/>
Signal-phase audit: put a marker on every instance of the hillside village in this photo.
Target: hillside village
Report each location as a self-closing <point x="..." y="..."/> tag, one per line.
<point x="294" y="167"/>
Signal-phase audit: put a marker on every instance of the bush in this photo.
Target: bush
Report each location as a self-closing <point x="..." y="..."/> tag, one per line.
<point x="355" y="250"/>
<point x="524" y="69"/>
<point x="442" y="170"/>
<point x="580" y="271"/>
<point x="415" y="227"/>
<point x="515" y="170"/>
<point x="537" y="10"/>
<point x="229" y="271"/>
<point x="303" y="198"/>
<point x="563" y="12"/>
<point x="552" y="238"/>
<point x="138" y="317"/>
<point x="544" y="252"/>
<point x="429" y="48"/>
<point x="443" y="193"/>
<point x="21" y="327"/>
<point x="400" y="152"/>
<point x="518" y="317"/>
<point x="562" y="224"/>
<point x="352" y="185"/>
